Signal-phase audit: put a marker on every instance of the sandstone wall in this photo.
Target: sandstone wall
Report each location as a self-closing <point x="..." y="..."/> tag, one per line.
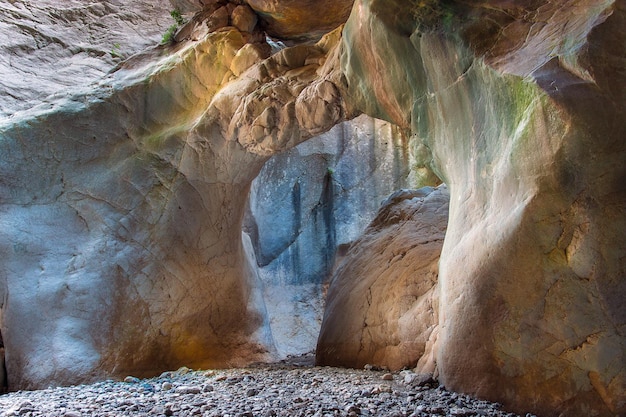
<point x="122" y="208"/>
<point x="122" y="203"/>
<point x="53" y="47"/>
<point x="522" y="109"/>
<point x="311" y="201"/>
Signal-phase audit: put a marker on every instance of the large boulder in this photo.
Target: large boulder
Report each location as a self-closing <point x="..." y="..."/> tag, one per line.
<point x="301" y="19"/>
<point x="522" y="108"/>
<point x="382" y="304"/>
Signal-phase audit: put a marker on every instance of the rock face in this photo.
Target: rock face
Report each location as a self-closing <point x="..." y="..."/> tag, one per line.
<point x="527" y="133"/>
<point x="122" y="208"/>
<point x="52" y="47"/>
<point x="382" y="304"/>
<point x="122" y="203"/>
<point x="301" y="19"/>
<point x="308" y="202"/>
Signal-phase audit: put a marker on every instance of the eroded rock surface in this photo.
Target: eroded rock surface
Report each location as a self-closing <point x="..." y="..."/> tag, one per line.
<point x="301" y="19"/>
<point x="53" y="47"/>
<point x="382" y="304"/>
<point x="122" y="203"/>
<point x="311" y="201"/>
<point x="528" y="135"/>
<point x="122" y="208"/>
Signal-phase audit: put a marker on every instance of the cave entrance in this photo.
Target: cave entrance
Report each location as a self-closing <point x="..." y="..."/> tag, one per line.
<point x="305" y="208"/>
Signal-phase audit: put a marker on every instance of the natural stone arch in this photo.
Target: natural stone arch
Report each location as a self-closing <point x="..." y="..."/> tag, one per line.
<point x="123" y="205"/>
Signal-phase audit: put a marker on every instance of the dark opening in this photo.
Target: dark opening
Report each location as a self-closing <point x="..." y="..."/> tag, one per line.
<point x="4" y="385"/>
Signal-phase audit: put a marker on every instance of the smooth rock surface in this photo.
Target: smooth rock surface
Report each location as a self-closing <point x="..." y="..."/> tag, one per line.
<point x="310" y="202"/>
<point x="301" y="19"/>
<point x="528" y="136"/>
<point x="121" y="203"/>
<point x="122" y="207"/>
<point x="382" y="304"/>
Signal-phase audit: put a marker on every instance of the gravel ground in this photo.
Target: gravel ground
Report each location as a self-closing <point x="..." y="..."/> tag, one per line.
<point x="284" y="389"/>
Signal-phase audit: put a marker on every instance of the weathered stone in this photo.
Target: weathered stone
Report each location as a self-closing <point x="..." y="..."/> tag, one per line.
<point x="55" y="47"/>
<point x="301" y="19"/>
<point x="247" y="56"/>
<point x="218" y="19"/>
<point x="121" y="203"/>
<point x="308" y="205"/>
<point x="243" y="18"/>
<point x="529" y="140"/>
<point x="122" y="214"/>
<point x="382" y="304"/>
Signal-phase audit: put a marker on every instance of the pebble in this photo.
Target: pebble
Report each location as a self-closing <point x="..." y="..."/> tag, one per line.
<point x="270" y="390"/>
<point x="188" y="390"/>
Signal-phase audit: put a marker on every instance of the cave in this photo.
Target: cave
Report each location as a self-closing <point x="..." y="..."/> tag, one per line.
<point x="450" y="172"/>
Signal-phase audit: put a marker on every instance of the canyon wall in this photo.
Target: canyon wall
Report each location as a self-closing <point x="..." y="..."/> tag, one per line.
<point x="383" y="302"/>
<point x="50" y="48"/>
<point x="308" y="205"/>
<point x="122" y="202"/>
<point x="122" y="207"/>
<point x="522" y="108"/>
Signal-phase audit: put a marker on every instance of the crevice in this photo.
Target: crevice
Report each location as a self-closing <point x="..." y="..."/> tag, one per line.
<point x="4" y="382"/>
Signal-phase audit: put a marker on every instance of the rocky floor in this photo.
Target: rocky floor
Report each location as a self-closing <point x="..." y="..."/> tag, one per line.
<point x="285" y="389"/>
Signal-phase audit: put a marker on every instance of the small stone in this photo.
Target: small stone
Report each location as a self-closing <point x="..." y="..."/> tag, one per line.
<point x="251" y="392"/>
<point x="187" y="389"/>
<point x="131" y="380"/>
<point x="183" y="370"/>
<point x="208" y="388"/>
<point x="437" y="409"/>
<point x="384" y="388"/>
<point x="25" y="407"/>
<point x="157" y="410"/>
<point x="387" y="377"/>
<point x="166" y="386"/>
<point x="462" y="412"/>
<point x="72" y="414"/>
